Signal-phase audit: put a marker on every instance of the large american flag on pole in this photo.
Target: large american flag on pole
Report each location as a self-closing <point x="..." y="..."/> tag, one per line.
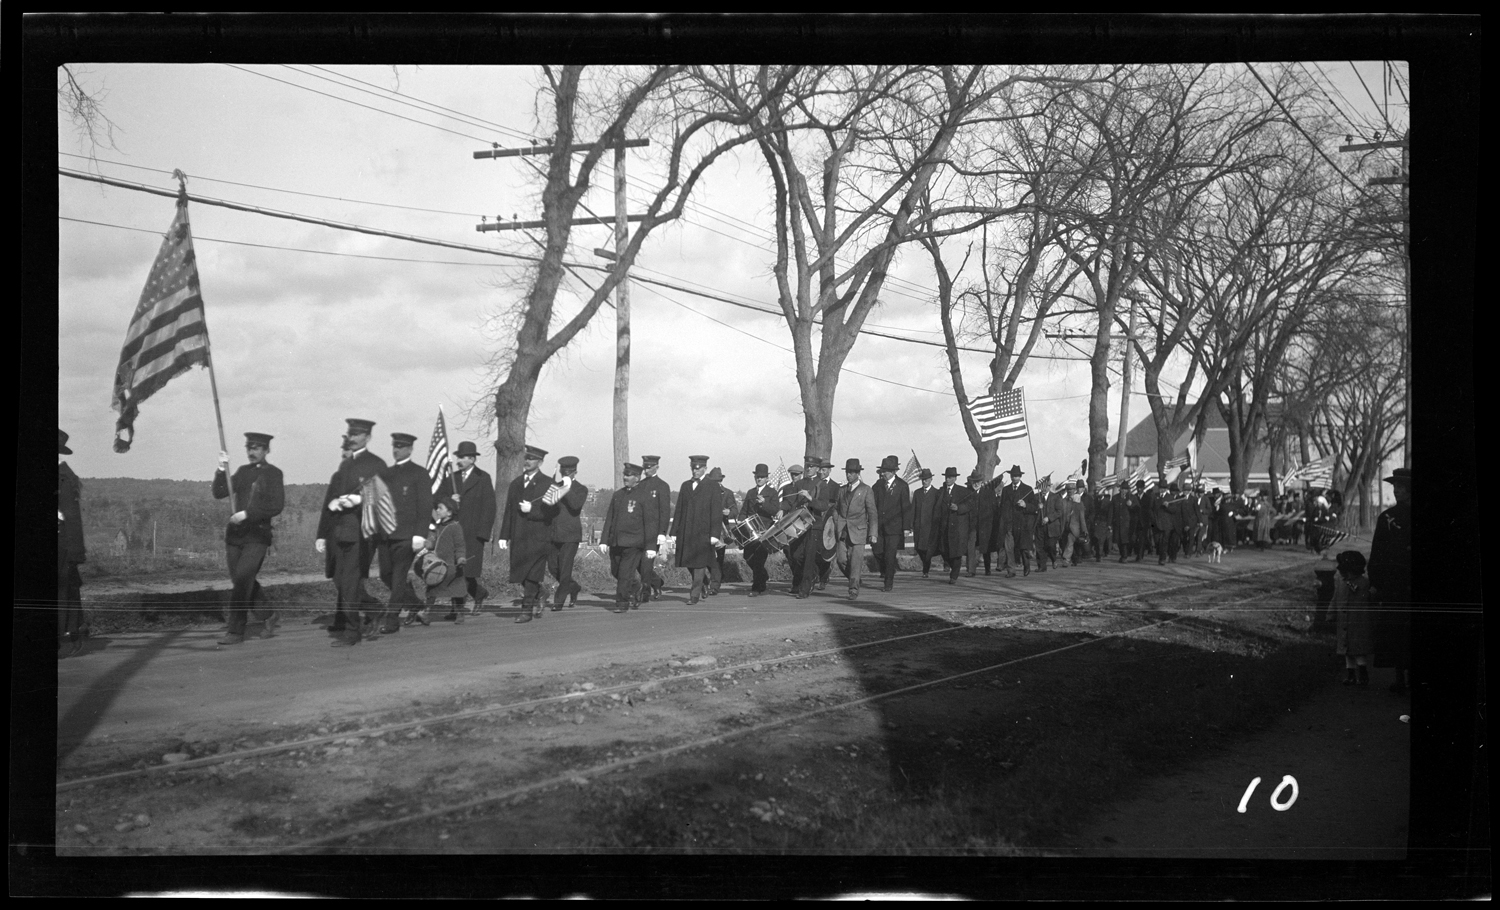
<point x="167" y="334"/>
<point x="439" y="466"/>
<point x="1000" y="416"/>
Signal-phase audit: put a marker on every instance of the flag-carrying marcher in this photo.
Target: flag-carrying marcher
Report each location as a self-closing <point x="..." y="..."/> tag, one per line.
<point x="781" y="478"/>
<point x="913" y="470"/>
<point x="439" y="466"/>
<point x="1000" y="416"/>
<point x="167" y="334"/>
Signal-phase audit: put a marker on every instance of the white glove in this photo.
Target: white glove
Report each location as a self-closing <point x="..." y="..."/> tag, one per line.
<point x="223" y="461"/>
<point x="650" y="554"/>
<point x="237" y="517"/>
<point x="60" y="517"/>
<point x="418" y="542"/>
<point x="715" y="541"/>
<point x="353" y="499"/>
<point x="320" y="545"/>
<point x="336" y="505"/>
<point x="525" y="507"/>
<point x="660" y="538"/>
<point x="502" y="544"/>
<point x="604" y="548"/>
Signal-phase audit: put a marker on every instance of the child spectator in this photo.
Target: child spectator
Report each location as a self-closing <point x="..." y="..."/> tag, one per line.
<point x="1354" y="617"/>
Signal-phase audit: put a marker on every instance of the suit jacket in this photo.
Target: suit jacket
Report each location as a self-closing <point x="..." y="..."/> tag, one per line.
<point x="1019" y="508"/>
<point x="1075" y="516"/>
<point x="764" y="502"/>
<point x="726" y="503"/>
<point x="895" y="509"/>
<point x="567" y="525"/>
<point x="658" y="497"/>
<point x="817" y="501"/>
<point x="1050" y="518"/>
<point x="630" y="521"/>
<point x="855" y="515"/>
<point x="411" y="493"/>
<point x="258" y="492"/>
<point x="344" y="526"/>
<point x="476" y="503"/>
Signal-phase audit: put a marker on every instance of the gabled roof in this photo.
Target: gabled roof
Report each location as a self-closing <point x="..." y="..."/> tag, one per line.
<point x="1140" y="442"/>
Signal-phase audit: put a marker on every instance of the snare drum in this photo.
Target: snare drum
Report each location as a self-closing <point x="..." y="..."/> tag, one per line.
<point x="750" y="529"/>
<point x="789" y="528"/>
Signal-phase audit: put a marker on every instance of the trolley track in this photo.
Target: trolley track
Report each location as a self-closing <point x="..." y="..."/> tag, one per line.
<point x="548" y="759"/>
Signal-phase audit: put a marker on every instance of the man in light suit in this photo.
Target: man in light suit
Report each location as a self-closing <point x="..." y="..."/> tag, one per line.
<point x="893" y="503"/>
<point x="856" y="521"/>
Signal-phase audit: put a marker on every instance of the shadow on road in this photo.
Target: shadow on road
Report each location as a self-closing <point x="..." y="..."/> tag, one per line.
<point x="79" y="720"/>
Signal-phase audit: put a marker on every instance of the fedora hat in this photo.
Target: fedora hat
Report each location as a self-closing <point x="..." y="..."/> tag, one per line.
<point x="891" y="463"/>
<point x="62" y="444"/>
<point x="1015" y="471"/>
<point x="1400" y="475"/>
<point x="853" y="465"/>
<point x="950" y="472"/>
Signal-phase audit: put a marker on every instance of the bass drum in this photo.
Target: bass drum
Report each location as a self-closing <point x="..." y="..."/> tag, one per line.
<point x="788" y="529"/>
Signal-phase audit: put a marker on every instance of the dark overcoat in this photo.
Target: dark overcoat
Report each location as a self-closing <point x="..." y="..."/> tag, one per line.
<point x="924" y="536"/>
<point x="1226" y="530"/>
<point x="529" y="533"/>
<point x="1018" y="511"/>
<point x="986" y="519"/>
<point x="447" y="541"/>
<point x="350" y="478"/>
<point x="658" y="497"/>
<point x="411" y="494"/>
<point x="476" y="513"/>
<point x="952" y="525"/>
<point x="1051" y="515"/>
<point x="696" y="520"/>
<point x="895" y="508"/>
<point x="1390" y="577"/>
<point x="1124" y="514"/>
<point x="70" y="547"/>
<point x="566" y="514"/>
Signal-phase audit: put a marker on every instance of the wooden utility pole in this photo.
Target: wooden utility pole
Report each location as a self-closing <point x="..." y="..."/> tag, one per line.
<point x="622" y="288"/>
<point x="1125" y="394"/>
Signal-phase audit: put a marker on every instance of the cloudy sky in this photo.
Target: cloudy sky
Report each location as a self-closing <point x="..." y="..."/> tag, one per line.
<point x="311" y="325"/>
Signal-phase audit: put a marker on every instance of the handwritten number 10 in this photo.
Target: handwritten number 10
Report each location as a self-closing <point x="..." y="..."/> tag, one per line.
<point x="1286" y="781"/>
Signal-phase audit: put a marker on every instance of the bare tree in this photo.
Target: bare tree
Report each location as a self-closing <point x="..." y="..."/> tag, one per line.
<point x="606" y="104"/>
<point x="84" y="107"/>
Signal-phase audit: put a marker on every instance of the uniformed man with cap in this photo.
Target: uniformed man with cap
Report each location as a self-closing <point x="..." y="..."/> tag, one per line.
<point x="827" y="545"/>
<point x="629" y="537"/>
<point x="893" y="504"/>
<point x="762" y="501"/>
<point x="696" y="524"/>
<point x="474" y="491"/>
<point x="527" y="533"/>
<point x="411" y="493"/>
<point x="658" y="496"/>
<point x="340" y="528"/>
<point x="802" y="553"/>
<point x="258" y="498"/>
<point x="565" y="501"/>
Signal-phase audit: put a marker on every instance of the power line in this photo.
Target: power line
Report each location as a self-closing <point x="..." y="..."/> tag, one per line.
<point x="1311" y="141"/>
<point x="1362" y="85"/>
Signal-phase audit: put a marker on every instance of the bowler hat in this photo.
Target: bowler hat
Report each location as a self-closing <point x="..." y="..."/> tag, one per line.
<point x="568" y="462"/>
<point x="853" y="465"/>
<point x="762" y="471"/>
<point x="62" y="444"/>
<point x="891" y="463"/>
<point x="466" y="448"/>
<point x="402" y="439"/>
<point x="715" y="475"/>
<point x="257" y="439"/>
<point x="359" y="426"/>
<point x="1015" y="471"/>
<point x="1400" y="475"/>
<point x="534" y="452"/>
<point x="950" y="472"/>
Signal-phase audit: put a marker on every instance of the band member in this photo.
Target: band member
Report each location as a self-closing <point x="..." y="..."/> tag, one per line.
<point x="893" y="504"/>
<point x="923" y="536"/>
<point x="474" y="491"/>
<point x="566" y="500"/>
<point x="71" y="553"/>
<point x="1018" y="506"/>
<point x="827" y="545"/>
<point x="724" y="512"/>
<point x="764" y="503"/>
<point x="802" y="554"/>
<point x="340" y="527"/>
<point x="796" y="474"/>
<point x="258" y="498"/>
<point x="856" y="522"/>
<point x="526" y="532"/>
<point x="659" y="497"/>
<point x="951" y="520"/>
<point x="697" y="524"/>
<point x="629" y="537"/>
<point x="411" y="494"/>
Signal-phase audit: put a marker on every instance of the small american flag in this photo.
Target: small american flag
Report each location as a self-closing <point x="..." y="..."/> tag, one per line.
<point x="913" y="470"/>
<point x="167" y="334"/>
<point x="379" y="510"/>
<point x="781" y="478"/>
<point x="1000" y="416"/>
<point x="439" y="467"/>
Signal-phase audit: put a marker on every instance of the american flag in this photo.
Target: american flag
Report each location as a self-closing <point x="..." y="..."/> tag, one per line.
<point x="439" y="467"/>
<point x="1315" y="473"/>
<point x="1000" y="416"/>
<point x="379" y="510"/>
<point x="781" y="478"/>
<point x="913" y="470"/>
<point x="167" y="334"/>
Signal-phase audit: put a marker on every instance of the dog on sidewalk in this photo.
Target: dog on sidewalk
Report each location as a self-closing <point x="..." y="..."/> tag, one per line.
<point x="1216" y="552"/>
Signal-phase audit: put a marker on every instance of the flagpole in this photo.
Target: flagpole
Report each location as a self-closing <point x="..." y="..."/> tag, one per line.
<point x="1025" y="412"/>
